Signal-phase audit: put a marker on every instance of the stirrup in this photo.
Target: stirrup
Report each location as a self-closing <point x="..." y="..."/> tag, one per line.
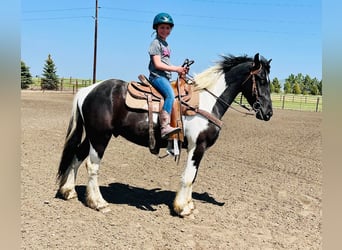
<point x="173" y="131"/>
<point x="173" y="150"/>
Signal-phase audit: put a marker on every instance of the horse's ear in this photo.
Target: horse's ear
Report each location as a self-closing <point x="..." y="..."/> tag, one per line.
<point x="269" y="61"/>
<point x="256" y="61"/>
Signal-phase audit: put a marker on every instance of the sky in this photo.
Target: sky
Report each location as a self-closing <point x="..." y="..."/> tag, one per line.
<point x="286" y="31"/>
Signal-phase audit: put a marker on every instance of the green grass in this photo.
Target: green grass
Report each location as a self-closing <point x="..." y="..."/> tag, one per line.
<point x="298" y="102"/>
<point x="294" y="102"/>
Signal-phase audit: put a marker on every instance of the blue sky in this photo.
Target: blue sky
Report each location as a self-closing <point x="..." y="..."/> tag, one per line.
<point x="288" y="32"/>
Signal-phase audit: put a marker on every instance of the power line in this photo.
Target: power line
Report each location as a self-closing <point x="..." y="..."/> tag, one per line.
<point x="56" y="10"/>
<point x="54" y="18"/>
<point x="286" y="3"/>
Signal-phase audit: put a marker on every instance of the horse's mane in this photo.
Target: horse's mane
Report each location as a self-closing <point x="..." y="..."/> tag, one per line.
<point x="210" y="76"/>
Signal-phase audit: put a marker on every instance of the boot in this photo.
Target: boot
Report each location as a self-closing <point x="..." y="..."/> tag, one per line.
<point x="166" y="129"/>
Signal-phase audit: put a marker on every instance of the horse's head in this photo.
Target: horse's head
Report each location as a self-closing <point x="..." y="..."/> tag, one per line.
<point x="256" y="88"/>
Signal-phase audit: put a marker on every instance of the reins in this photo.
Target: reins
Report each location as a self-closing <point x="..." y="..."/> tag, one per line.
<point x="228" y="105"/>
<point x="254" y="90"/>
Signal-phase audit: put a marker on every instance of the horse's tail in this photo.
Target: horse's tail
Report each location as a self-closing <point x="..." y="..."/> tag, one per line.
<point x="72" y="140"/>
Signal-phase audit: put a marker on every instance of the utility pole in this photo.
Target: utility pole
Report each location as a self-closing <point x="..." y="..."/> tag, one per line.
<point x="95" y="42"/>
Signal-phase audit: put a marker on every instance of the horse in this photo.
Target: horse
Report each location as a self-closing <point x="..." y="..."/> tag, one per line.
<point x="99" y="113"/>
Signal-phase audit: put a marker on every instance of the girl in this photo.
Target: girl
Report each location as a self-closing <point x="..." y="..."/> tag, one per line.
<point x="160" y="70"/>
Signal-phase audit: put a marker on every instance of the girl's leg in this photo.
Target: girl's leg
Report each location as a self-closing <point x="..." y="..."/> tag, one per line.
<point x="164" y="87"/>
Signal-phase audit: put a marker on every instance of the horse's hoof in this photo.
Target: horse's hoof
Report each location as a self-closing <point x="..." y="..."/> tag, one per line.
<point x="186" y="211"/>
<point x="68" y="194"/>
<point x="104" y="210"/>
<point x="98" y="205"/>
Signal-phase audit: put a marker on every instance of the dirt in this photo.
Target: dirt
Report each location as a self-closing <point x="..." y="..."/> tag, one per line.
<point x="258" y="187"/>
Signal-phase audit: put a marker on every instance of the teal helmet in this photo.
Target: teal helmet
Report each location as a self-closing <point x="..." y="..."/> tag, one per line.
<point x="162" y="18"/>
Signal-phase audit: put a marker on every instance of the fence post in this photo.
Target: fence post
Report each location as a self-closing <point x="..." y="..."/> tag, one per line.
<point x="283" y="102"/>
<point x="317" y="103"/>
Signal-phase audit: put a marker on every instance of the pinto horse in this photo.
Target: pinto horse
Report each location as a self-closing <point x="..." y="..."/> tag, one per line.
<point x="99" y="112"/>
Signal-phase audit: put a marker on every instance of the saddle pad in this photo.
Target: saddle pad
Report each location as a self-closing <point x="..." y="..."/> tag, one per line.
<point x="139" y="90"/>
<point x="135" y="103"/>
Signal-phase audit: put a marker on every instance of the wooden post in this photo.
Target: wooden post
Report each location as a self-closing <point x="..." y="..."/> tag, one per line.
<point x="283" y="102"/>
<point x="317" y="103"/>
<point x="95" y="41"/>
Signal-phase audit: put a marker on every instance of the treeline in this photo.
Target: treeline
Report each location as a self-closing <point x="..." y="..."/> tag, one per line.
<point x="298" y="84"/>
<point x="294" y="84"/>
<point x="49" y="79"/>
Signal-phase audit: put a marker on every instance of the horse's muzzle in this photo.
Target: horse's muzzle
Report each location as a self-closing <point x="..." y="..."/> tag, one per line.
<point x="262" y="113"/>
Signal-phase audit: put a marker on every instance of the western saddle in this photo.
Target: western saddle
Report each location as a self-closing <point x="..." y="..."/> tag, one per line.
<point x="142" y="95"/>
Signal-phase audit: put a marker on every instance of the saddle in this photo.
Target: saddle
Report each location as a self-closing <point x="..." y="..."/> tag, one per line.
<point x="142" y="95"/>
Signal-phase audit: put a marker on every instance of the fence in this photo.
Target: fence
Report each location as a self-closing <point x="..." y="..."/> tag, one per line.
<point x="64" y="84"/>
<point x="68" y="84"/>
<point x="281" y="101"/>
<point x="295" y="102"/>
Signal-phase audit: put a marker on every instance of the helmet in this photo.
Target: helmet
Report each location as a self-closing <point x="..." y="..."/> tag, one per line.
<point x="162" y="18"/>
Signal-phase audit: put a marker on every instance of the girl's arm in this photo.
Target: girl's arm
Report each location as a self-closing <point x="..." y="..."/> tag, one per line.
<point x="164" y="67"/>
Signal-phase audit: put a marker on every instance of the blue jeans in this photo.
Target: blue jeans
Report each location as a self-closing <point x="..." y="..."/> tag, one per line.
<point x="163" y="85"/>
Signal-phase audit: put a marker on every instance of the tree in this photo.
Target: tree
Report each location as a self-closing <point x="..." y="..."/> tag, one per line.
<point x="307" y="85"/>
<point x="289" y="82"/>
<point x="316" y="87"/>
<point x="49" y="78"/>
<point x="319" y="85"/>
<point x="276" y="85"/>
<point x="287" y="87"/>
<point x="296" y="88"/>
<point x="26" y="78"/>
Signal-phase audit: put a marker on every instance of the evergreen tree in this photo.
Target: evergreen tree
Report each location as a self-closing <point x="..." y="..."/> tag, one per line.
<point x="319" y="85"/>
<point x="26" y="78"/>
<point x="298" y="86"/>
<point x="316" y="87"/>
<point x="287" y="87"/>
<point x="271" y="87"/>
<point x="296" y="89"/>
<point x="49" y="77"/>
<point x="289" y="82"/>
<point x="276" y="85"/>
<point x="307" y="85"/>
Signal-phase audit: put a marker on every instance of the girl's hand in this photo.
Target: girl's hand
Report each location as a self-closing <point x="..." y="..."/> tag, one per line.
<point x="181" y="70"/>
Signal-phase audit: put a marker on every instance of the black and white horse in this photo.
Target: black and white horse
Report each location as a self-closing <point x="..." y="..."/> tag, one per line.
<point x="100" y="111"/>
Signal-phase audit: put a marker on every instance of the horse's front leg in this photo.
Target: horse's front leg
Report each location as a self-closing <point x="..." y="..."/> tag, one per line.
<point x="94" y="198"/>
<point x="183" y="204"/>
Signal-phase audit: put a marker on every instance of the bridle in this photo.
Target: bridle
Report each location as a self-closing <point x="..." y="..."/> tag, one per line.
<point x="254" y="85"/>
<point x="256" y="105"/>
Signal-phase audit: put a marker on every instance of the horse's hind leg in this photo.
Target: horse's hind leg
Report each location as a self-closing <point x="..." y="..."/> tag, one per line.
<point x="94" y="197"/>
<point x="67" y="182"/>
<point x="67" y="186"/>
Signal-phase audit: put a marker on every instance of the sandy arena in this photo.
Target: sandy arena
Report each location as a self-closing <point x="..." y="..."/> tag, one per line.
<point x="258" y="187"/>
